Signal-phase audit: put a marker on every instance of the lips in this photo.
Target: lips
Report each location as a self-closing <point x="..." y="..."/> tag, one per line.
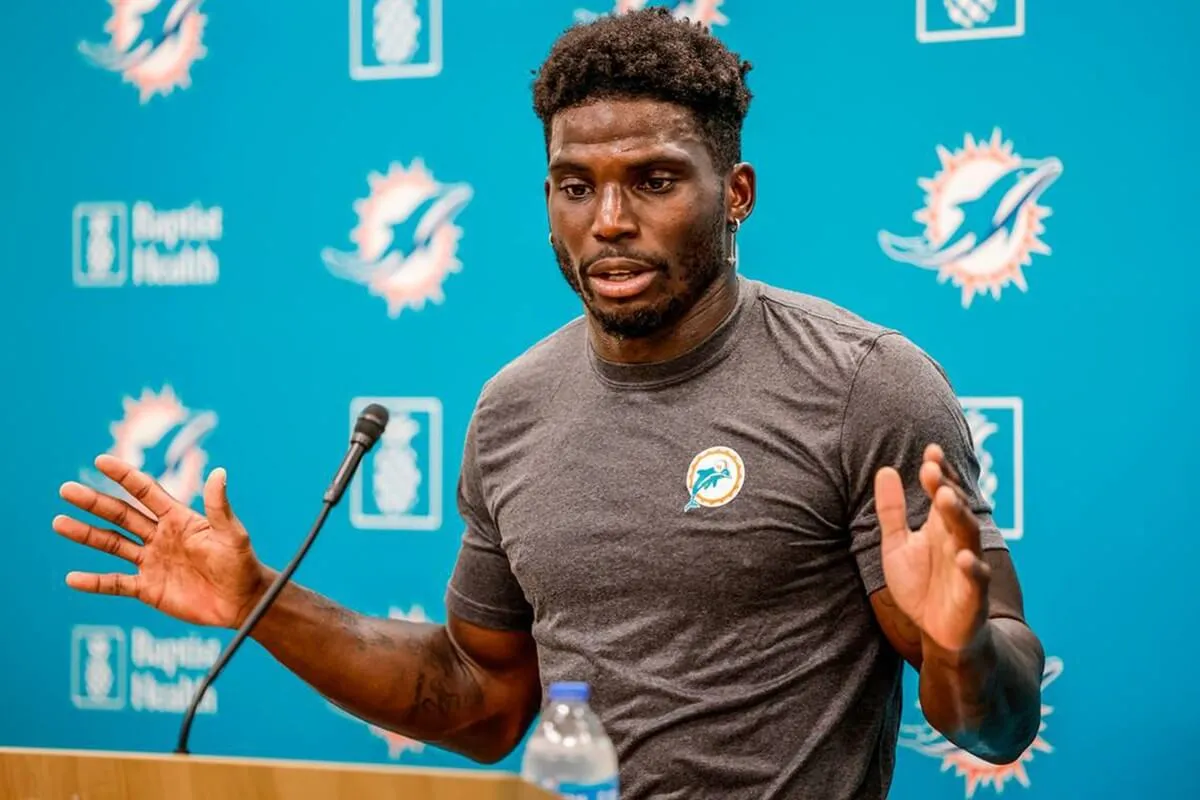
<point x="618" y="278"/>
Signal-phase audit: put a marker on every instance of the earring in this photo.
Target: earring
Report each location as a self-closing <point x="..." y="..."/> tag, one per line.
<point x="732" y="258"/>
<point x="550" y="238"/>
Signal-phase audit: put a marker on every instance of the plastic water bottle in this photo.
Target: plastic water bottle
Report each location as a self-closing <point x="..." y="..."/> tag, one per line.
<point x="569" y="753"/>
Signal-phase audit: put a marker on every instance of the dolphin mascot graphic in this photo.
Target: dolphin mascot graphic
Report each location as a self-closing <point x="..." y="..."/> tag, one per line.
<point x="706" y="479"/>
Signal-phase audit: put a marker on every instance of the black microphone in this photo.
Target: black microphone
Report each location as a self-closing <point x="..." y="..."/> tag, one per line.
<point x="367" y="430"/>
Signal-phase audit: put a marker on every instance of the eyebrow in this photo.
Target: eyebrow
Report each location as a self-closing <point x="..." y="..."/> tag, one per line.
<point x="656" y="159"/>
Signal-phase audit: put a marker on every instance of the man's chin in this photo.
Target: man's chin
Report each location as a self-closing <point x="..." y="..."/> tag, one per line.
<point x="634" y="319"/>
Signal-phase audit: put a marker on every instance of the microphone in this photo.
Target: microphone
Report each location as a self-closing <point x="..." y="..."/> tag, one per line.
<point x="367" y="429"/>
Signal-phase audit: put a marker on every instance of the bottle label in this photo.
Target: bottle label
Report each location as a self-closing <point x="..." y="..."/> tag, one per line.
<point x="605" y="790"/>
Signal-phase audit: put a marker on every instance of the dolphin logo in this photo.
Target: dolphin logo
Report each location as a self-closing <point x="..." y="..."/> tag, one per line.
<point x="714" y="478"/>
<point x="152" y="43"/>
<point x="707" y="479"/>
<point x="992" y="214"/>
<point x="982" y="217"/>
<point x="405" y="206"/>
<point x="163" y="438"/>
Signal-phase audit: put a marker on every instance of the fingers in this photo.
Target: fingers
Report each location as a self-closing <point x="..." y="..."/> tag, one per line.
<point x="936" y="471"/>
<point x="113" y="583"/>
<point x="974" y="567"/>
<point x="890" y="509"/>
<point x="959" y="522"/>
<point x="116" y="511"/>
<point x="101" y="539"/>
<point x="216" y="502"/>
<point x="140" y="485"/>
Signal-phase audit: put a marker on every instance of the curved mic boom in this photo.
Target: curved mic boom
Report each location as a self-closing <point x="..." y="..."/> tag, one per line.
<point x="367" y="429"/>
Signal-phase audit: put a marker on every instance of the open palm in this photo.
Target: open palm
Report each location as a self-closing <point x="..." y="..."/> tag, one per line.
<point x="199" y="568"/>
<point x="936" y="574"/>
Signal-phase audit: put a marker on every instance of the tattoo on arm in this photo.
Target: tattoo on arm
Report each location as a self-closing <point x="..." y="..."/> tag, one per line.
<point x="401" y="675"/>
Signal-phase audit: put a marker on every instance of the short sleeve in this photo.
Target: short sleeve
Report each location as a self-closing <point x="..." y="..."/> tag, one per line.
<point x="482" y="588"/>
<point x="900" y="401"/>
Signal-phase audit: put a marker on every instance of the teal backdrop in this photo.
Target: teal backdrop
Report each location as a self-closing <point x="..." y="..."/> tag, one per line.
<point x="227" y="227"/>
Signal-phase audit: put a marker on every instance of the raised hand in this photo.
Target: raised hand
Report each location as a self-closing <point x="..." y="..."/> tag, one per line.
<point x="197" y="568"/>
<point x="936" y="574"/>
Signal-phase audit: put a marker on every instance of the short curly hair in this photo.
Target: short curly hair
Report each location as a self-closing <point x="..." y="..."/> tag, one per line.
<point x="649" y="54"/>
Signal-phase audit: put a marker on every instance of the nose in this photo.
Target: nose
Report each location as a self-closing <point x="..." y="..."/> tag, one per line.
<point x="613" y="220"/>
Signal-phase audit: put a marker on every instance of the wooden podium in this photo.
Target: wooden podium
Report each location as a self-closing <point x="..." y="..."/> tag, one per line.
<point x="34" y="774"/>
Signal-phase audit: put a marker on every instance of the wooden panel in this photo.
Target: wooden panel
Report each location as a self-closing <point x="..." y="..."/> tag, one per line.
<point x="34" y="774"/>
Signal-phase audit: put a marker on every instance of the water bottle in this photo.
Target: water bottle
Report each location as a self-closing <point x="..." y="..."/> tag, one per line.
<point x="569" y="753"/>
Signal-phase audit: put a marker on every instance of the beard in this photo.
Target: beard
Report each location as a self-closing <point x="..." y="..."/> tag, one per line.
<point x="700" y="262"/>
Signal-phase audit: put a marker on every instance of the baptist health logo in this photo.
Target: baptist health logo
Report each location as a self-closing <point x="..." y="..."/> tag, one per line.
<point x="981" y="216"/>
<point x="170" y="247"/>
<point x="997" y="426"/>
<point x="965" y="20"/>
<point x="395" y="39"/>
<point x="152" y="44"/>
<point x="399" y="484"/>
<point x="923" y="738"/>
<point x="161" y="436"/>
<point x="407" y="242"/>
<point x="113" y="669"/>
<point x="706" y="12"/>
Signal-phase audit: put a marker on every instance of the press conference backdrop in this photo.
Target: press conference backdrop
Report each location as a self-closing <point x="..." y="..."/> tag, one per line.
<point x="227" y="227"/>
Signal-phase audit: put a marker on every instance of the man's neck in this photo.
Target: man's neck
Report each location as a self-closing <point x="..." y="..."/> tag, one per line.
<point x="693" y="328"/>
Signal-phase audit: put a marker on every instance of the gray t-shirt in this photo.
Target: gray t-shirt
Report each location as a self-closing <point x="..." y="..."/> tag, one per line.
<point x="697" y="540"/>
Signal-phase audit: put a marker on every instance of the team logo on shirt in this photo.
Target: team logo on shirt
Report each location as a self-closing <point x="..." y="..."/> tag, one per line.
<point x="714" y="478"/>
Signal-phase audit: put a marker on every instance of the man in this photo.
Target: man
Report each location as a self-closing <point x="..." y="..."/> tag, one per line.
<point x="734" y="510"/>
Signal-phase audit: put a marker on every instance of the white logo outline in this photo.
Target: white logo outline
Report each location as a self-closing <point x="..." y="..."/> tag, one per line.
<point x="118" y="212"/>
<point x="364" y="72"/>
<point x="79" y="696"/>
<point x="398" y="408"/>
<point x="926" y="36"/>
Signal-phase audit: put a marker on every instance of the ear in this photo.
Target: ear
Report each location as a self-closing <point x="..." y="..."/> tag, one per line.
<point x="741" y="191"/>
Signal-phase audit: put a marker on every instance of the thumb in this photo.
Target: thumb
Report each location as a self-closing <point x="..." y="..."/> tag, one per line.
<point x="890" y="509"/>
<point x="216" y="501"/>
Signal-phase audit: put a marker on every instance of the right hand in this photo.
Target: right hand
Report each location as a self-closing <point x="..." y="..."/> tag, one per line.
<point x="196" y="568"/>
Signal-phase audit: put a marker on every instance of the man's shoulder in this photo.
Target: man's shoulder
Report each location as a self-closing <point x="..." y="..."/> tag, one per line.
<point x="538" y="370"/>
<point x="814" y="328"/>
<point x="818" y="313"/>
<point x="819" y="335"/>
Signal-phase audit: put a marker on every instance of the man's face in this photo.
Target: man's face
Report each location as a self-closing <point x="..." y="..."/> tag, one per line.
<point x="637" y="212"/>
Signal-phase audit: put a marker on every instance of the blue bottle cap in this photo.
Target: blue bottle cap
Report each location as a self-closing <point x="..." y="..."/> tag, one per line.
<point x="569" y="691"/>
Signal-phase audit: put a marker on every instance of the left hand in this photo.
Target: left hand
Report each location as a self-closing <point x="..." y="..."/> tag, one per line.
<point x="936" y="574"/>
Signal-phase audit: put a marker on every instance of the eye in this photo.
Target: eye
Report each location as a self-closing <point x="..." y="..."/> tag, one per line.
<point x="658" y="184"/>
<point x="575" y="190"/>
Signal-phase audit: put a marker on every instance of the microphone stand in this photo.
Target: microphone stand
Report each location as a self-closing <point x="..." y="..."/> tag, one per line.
<point x="369" y="426"/>
<point x="259" y="610"/>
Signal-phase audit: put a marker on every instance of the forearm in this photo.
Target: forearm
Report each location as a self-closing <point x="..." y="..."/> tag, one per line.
<point x="407" y="677"/>
<point x="986" y="699"/>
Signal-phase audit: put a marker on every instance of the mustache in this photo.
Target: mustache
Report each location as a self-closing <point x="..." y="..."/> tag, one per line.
<point x="646" y="258"/>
